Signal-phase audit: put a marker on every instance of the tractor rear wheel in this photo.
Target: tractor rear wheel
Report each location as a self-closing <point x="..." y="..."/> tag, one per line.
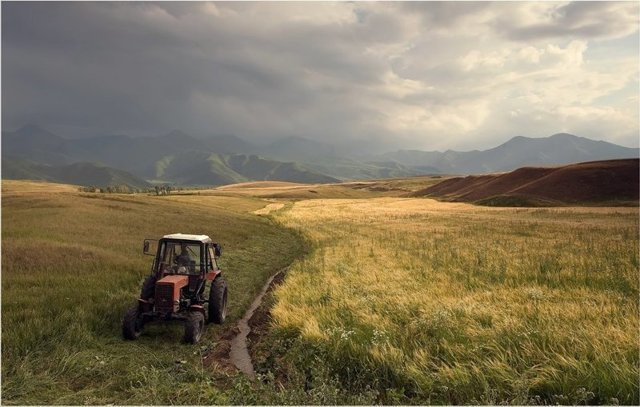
<point x="132" y="324"/>
<point x="218" y="301"/>
<point x="193" y="327"/>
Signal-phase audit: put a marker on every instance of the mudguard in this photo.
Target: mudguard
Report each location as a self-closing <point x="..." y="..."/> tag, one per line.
<point x="211" y="275"/>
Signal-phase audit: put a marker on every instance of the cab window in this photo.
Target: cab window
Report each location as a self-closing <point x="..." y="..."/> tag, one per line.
<point x="181" y="258"/>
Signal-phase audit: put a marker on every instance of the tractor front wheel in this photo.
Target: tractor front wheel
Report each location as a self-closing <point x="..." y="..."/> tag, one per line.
<point x="193" y="327"/>
<point x="218" y="301"/>
<point x="132" y="324"/>
<point x="148" y="287"/>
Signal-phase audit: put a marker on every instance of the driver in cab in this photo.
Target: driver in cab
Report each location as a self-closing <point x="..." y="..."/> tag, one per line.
<point x="183" y="259"/>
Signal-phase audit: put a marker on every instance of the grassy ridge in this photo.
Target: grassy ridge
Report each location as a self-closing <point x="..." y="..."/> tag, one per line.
<point x="72" y="265"/>
<point x="80" y="173"/>
<point x="415" y="301"/>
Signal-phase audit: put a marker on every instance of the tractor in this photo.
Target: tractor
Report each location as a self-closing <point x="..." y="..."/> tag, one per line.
<point x="176" y="289"/>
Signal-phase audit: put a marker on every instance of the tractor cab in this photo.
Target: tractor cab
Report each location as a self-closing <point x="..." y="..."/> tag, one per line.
<point x="182" y="258"/>
<point x="184" y="254"/>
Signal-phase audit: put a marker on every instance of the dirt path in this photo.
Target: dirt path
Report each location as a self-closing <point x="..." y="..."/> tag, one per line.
<point x="232" y="351"/>
<point x="269" y="208"/>
<point x="239" y="353"/>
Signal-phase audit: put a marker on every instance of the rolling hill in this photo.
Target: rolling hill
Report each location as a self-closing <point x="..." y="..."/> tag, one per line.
<point x="76" y="173"/>
<point x="518" y="152"/>
<point x="346" y="169"/>
<point x="589" y="182"/>
<point x="203" y="168"/>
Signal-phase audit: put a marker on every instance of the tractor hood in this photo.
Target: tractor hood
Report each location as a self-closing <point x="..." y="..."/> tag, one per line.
<point x="173" y="279"/>
<point x="168" y="292"/>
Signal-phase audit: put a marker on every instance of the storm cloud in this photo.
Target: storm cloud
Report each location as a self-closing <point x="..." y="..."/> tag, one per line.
<point x="430" y="75"/>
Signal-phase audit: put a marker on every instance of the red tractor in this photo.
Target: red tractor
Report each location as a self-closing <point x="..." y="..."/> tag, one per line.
<point x="177" y="287"/>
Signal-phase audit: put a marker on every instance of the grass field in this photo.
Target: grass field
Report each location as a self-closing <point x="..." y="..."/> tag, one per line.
<point x="418" y="302"/>
<point x="398" y="301"/>
<point x="345" y="190"/>
<point x="72" y="264"/>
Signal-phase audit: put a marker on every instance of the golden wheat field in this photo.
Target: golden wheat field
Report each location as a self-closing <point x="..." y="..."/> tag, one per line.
<point x="417" y="301"/>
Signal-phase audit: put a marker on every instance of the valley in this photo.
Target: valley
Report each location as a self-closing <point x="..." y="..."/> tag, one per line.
<point x="320" y="203"/>
<point x="387" y="298"/>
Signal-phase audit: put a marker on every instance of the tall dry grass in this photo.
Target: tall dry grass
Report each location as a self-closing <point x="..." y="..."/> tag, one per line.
<point x="415" y="301"/>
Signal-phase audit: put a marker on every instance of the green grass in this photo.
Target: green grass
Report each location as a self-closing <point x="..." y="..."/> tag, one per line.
<point x="72" y="265"/>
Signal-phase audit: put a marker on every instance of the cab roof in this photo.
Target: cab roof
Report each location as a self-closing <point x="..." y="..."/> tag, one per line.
<point x="194" y="238"/>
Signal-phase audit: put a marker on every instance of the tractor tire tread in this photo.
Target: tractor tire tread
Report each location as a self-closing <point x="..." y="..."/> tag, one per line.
<point x="218" y="301"/>
<point x="193" y="327"/>
<point x="131" y="326"/>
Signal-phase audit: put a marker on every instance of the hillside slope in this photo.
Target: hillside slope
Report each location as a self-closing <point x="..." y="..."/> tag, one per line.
<point x="77" y="173"/>
<point x="202" y="168"/>
<point x="596" y="181"/>
<point x="323" y="158"/>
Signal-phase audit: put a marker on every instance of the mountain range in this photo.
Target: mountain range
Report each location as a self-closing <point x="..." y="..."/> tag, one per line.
<point x="179" y="158"/>
<point x="186" y="160"/>
<point x="561" y="148"/>
<point x="33" y="152"/>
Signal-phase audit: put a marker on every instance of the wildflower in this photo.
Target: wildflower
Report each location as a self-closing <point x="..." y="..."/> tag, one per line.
<point x="346" y="335"/>
<point x="378" y="337"/>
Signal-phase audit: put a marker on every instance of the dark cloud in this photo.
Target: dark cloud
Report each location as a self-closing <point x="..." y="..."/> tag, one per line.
<point x="124" y="66"/>
<point x="407" y="74"/>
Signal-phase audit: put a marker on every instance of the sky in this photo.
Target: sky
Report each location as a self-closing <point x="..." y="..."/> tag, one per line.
<point x="370" y="75"/>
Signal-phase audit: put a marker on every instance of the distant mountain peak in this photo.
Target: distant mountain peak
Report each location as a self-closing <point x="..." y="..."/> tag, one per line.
<point x="558" y="149"/>
<point x="565" y="136"/>
<point x="518" y="138"/>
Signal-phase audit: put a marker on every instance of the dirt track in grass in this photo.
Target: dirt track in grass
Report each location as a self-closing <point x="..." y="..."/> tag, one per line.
<point x="232" y="351"/>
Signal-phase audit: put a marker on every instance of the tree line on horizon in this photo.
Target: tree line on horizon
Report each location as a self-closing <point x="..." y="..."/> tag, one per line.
<point x="126" y="189"/>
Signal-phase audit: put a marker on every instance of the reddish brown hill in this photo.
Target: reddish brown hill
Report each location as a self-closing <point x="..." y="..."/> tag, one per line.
<point x="596" y="181"/>
<point x="455" y="185"/>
